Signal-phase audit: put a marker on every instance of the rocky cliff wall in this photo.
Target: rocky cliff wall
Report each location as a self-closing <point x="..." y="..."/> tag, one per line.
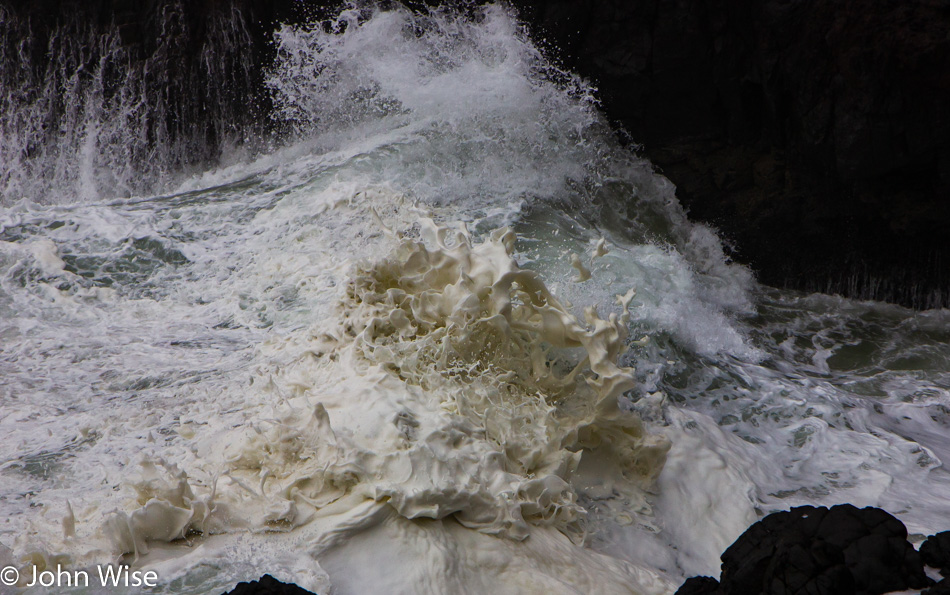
<point x="815" y="134"/>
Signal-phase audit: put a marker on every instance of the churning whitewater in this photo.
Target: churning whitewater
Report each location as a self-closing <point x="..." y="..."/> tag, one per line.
<point x="449" y="338"/>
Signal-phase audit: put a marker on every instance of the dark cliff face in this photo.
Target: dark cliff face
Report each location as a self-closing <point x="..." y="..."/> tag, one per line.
<point x="814" y="134"/>
<point x="157" y="87"/>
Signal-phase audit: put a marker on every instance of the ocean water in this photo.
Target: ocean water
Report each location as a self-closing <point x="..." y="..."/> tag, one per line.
<point x="450" y="337"/>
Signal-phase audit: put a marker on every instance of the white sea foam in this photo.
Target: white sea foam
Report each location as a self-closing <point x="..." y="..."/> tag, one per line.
<point x="437" y="394"/>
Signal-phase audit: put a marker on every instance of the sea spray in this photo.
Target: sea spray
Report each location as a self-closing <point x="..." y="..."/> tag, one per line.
<point x="91" y="111"/>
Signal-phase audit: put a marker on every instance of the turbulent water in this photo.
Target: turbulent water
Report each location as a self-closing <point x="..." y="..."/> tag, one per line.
<point x="451" y="338"/>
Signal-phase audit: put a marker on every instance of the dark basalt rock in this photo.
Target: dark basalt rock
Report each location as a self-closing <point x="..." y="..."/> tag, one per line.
<point x="820" y="551"/>
<point x="941" y="588"/>
<point x="268" y="585"/>
<point x="815" y="134"/>
<point x="935" y="552"/>
<point x="699" y="585"/>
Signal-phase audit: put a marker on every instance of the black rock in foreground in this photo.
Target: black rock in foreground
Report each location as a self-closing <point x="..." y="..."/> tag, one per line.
<point x="941" y="588"/>
<point x="936" y="552"/>
<point x="699" y="585"/>
<point x="817" y="551"/>
<point x="268" y="585"/>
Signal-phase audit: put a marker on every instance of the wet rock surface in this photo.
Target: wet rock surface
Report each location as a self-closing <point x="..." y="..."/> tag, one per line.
<point x="815" y="550"/>
<point x="267" y="585"/>
<point x="935" y="552"/>
<point x="699" y="585"/>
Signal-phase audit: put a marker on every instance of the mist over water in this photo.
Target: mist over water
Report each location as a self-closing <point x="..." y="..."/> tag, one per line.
<point x="386" y="356"/>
